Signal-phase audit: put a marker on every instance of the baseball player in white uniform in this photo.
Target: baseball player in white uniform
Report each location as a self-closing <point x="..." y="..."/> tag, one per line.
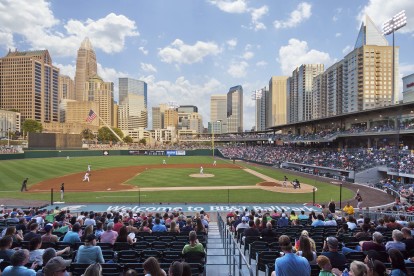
<point x="89" y="168"/>
<point x="164" y="162"/>
<point x="201" y="170"/>
<point x="214" y="163"/>
<point x="86" y="177"/>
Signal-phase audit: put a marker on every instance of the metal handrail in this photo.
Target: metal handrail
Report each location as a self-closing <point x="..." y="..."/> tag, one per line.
<point x="234" y="257"/>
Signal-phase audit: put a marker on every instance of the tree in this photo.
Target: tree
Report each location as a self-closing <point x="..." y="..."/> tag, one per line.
<point x="30" y="125"/>
<point x="87" y="134"/>
<point x="128" y="139"/>
<point x="105" y="135"/>
<point x="143" y="141"/>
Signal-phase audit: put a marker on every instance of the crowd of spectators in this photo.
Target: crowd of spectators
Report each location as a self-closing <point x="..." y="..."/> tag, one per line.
<point x="330" y="242"/>
<point x="23" y="233"/>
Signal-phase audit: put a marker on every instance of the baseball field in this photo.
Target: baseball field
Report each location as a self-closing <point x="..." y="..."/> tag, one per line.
<point x="146" y="179"/>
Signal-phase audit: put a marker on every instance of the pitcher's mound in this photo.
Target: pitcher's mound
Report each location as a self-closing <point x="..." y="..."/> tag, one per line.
<point x="202" y="175"/>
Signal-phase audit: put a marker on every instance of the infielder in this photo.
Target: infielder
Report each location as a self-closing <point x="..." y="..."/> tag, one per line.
<point x="86" y="177"/>
<point x="164" y="162"/>
<point x="214" y="163"/>
<point x="89" y="168"/>
<point x="201" y="170"/>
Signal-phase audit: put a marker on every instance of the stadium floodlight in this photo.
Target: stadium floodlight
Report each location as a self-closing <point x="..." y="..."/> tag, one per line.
<point x="396" y="22"/>
<point x="389" y="27"/>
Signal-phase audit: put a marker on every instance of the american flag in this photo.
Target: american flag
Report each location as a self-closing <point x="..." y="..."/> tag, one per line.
<point x="92" y="115"/>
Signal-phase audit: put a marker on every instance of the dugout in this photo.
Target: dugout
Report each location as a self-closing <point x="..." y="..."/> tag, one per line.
<point x="54" y="141"/>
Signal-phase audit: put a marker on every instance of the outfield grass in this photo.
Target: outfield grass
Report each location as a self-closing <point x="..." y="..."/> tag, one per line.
<point x="12" y="173"/>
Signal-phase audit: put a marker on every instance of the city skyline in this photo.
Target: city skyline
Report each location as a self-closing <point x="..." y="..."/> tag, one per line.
<point x="177" y="50"/>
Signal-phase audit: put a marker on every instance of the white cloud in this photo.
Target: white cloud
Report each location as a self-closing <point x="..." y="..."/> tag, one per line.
<point x="232" y="43"/>
<point x="338" y="34"/>
<point x="257" y="14"/>
<point x="6" y="40"/>
<point x="303" y="11"/>
<point x="297" y="52"/>
<point x="338" y="11"/>
<point x="237" y="6"/>
<point x="147" y="67"/>
<point x="68" y="70"/>
<point x="240" y="6"/>
<point x="39" y="29"/>
<point x="163" y="91"/>
<point x="143" y="50"/>
<point x="261" y="63"/>
<point x="111" y="75"/>
<point x="347" y="49"/>
<point x="178" y="52"/>
<point x="238" y="69"/>
<point x="335" y="18"/>
<point x="382" y="10"/>
<point x="248" y="55"/>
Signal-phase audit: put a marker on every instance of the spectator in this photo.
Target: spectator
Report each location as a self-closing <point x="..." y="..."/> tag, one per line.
<point x="337" y="259"/>
<point x="109" y="236"/>
<point x="251" y="231"/>
<point x="325" y="266"/>
<point x="319" y="222"/>
<point x="351" y="223"/>
<point x="123" y="236"/>
<point x="305" y="250"/>
<point x="186" y="269"/>
<point x="199" y="228"/>
<point x="348" y="209"/>
<point x="48" y="236"/>
<point x="188" y="226"/>
<point x="397" y="263"/>
<point x="17" y="236"/>
<point x="174" y="227"/>
<point x="158" y="227"/>
<point x="381" y="226"/>
<point x="408" y="239"/>
<point x="36" y="254"/>
<point x="56" y="266"/>
<point x="72" y="236"/>
<point x="392" y="224"/>
<point x="332" y="207"/>
<point x="330" y="221"/>
<point x="152" y="267"/>
<point x="290" y="263"/>
<point x="396" y="242"/>
<point x="88" y="230"/>
<point x="99" y="230"/>
<point x="283" y="221"/>
<point x="5" y="252"/>
<point x="89" y="253"/>
<point x="243" y="224"/>
<point x="93" y="270"/>
<point x="117" y="224"/>
<point x="268" y="233"/>
<point x="144" y="227"/>
<point x="402" y="221"/>
<point x="176" y="269"/>
<point x="364" y="234"/>
<point x="18" y="261"/>
<point x="194" y="245"/>
<point x="375" y="244"/>
<point x="90" y="220"/>
<point x="358" y="268"/>
<point x="302" y="216"/>
<point x="33" y="232"/>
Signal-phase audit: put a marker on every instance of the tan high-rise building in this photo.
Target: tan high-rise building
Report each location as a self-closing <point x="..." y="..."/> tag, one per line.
<point x="66" y="88"/>
<point x="101" y="93"/>
<point x="86" y="67"/>
<point x="218" y="114"/>
<point x="235" y="109"/>
<point x="277" y="101"/>
<point x="77" y="112"/>
<point x="29" y="83"/>
<point x="170" y="118"/>
<point x="158" y="116"/>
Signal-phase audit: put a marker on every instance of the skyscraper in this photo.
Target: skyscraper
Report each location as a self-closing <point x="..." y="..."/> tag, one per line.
<point x="300" y="92"/>
<point x="235" y="109"/>
<point x="102" y="93"/>
<point x="277" y="101"/>
<point x="29" y="83"/>
<point x="262" y="108"/>
<point x="158" y="116"/>
<point x="86" y="67"/>
<point x="218" y="114"/>
<point x="133" y="113"/>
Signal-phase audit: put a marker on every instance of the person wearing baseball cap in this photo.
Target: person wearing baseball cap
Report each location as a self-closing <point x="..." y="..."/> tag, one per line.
<point x="89" y="253"/>
<point x="56" y="267"/>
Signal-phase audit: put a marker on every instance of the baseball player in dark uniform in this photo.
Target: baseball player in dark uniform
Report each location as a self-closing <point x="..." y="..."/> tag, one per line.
<point x="24" y="185"/>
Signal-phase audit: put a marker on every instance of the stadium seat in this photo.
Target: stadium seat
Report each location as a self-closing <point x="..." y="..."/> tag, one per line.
<point x="265" y="258"/>
<point x="170" y="256"/>
<point x="150" y="253"/>
<point x="256" y="247"/>
<point x="107" y="269"/>
<point x="105" y="245"/>
<point x="135" y="266"/>
<point x="119" y="246"/>
<point x="129" y="256"/>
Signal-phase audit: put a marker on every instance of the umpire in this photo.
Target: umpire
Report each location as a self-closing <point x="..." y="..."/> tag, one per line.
<point x="24" y="185"/>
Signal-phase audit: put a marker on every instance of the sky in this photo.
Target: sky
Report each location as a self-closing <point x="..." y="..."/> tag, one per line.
<point x="188" y="50"/>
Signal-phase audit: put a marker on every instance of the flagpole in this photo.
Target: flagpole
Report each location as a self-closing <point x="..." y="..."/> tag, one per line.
<point x="117" y="136"/>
